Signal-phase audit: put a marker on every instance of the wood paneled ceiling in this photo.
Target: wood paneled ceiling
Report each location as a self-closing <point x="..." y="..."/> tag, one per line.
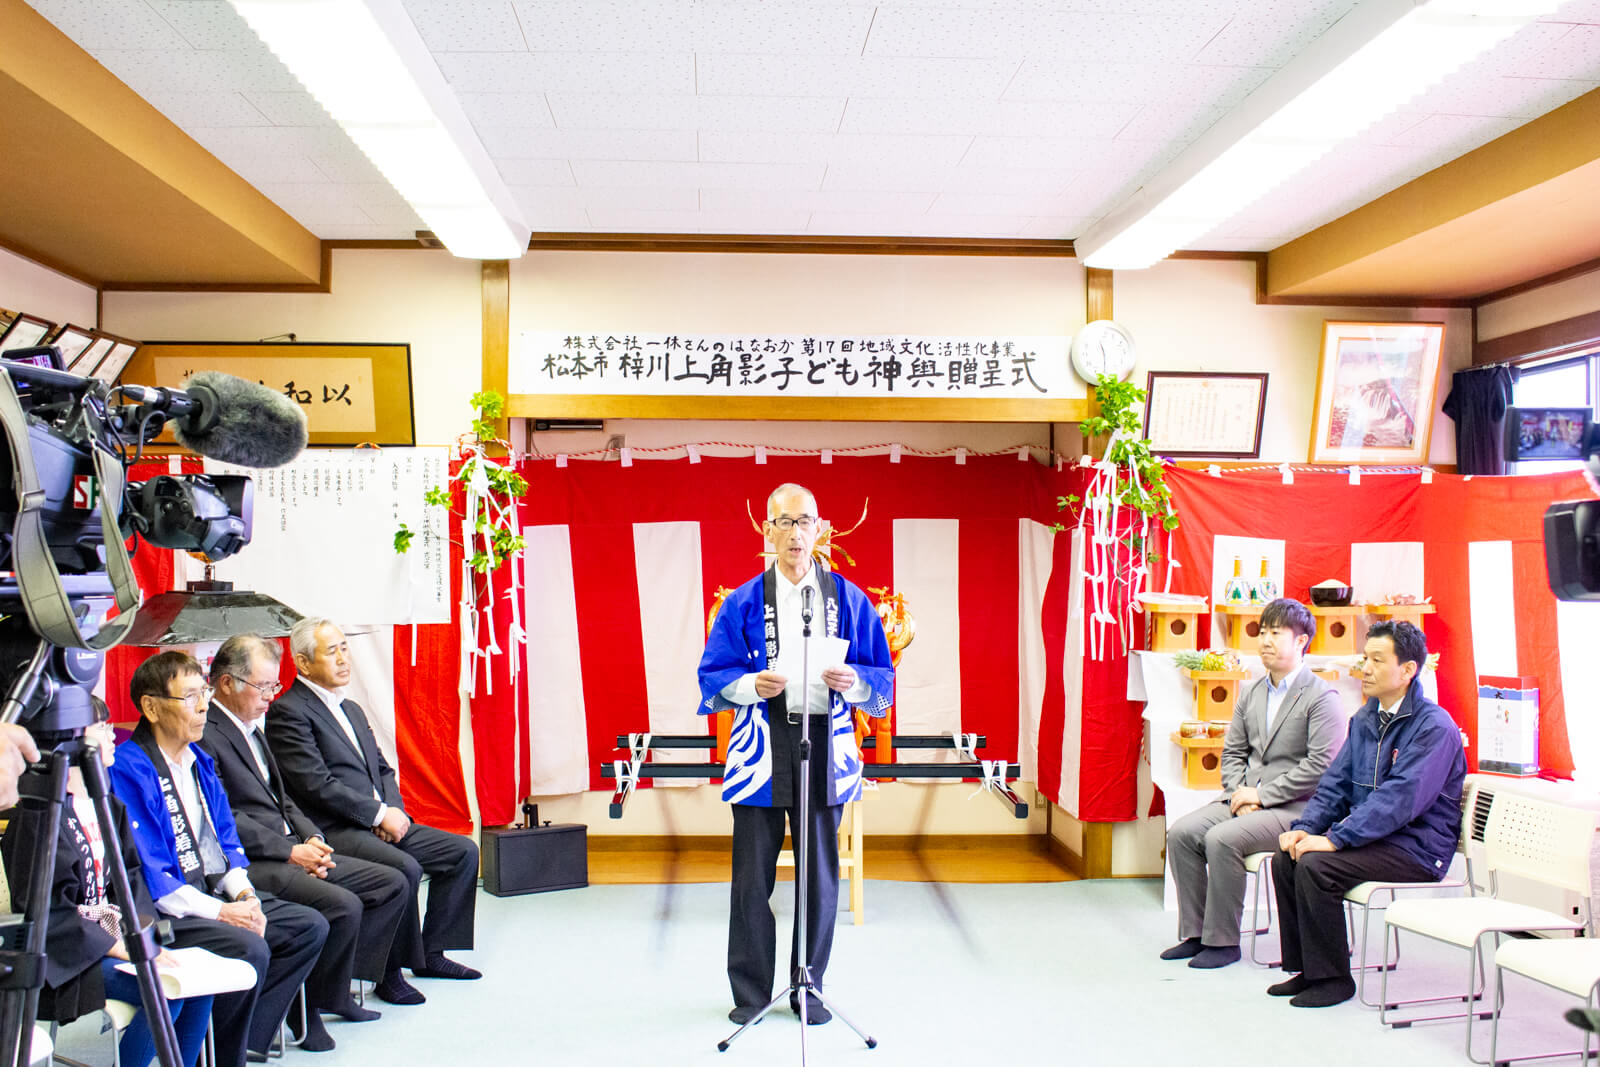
<point x="157" y="142"/>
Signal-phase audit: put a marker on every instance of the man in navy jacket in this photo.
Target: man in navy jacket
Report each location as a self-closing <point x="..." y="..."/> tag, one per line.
<point x="1388" y="809"/>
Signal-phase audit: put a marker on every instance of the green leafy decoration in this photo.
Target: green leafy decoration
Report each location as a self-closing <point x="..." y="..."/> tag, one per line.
<point x="1146" y="491"/>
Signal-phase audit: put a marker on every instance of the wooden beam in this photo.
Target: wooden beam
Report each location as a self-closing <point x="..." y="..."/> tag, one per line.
<point x="496" y="280"/>
<point x="1581" y="333"/>
<point x="1097" y="293"/>
<point x="790" y="408"/>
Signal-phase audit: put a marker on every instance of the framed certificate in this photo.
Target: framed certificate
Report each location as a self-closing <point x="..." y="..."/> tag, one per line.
<point x="1201" y="413"/>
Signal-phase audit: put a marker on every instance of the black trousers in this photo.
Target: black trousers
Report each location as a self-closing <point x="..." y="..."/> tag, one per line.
<point x="282" y="960"/>
<point x="1311" y="893"/>
<point x="363" y="903"/>
<point x="451" y="863"/>
<point x="752" y="928"/>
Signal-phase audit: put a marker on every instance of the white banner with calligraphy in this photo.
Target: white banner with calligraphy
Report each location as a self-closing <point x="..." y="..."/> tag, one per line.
<point x="836" y="365"/>
<point x="324" y="529"/>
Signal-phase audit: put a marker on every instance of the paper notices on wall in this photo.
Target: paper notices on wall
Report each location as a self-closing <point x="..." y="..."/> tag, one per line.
<point x="324" y="535"/>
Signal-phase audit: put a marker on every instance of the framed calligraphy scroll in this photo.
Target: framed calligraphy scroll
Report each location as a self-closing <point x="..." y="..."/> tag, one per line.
<point x="1199" y="413"/>
<point x="352" y="394"/>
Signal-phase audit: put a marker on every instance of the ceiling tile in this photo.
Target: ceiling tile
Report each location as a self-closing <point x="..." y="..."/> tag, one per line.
<point x="851" y="224"/>
<point x="927" y="151"/>
<point x="467" y="25"/>
<point x="781" y="29"/>
<point x="510" y="143"/>
<point x="828" y="201"/>
<point x="977" y="176"/>
<point x="1054" y="227"/>
<point x="97" y="24"/>
<point x="348" y="164"/>
<point x="1455" y="134"/>
<point x="1175" y="35"/>
<point x="877" y="76"/>
<point x="207" y="24"/>
<point x="536" y="172"/>
<point x="602" y="174"/>
<point x="258" y="169"/>
<point x="1001" y="204"/>
<point x="596" y="26"/>
<point x="1577" y="11"/>
<point x="595" y="72"/>
<point x="1575" y="55"/>
<point x="506" y="109"/>
<point x="631" y="221"/>
<point x="290" y="109"/>
<point x="1143" y="82"/>
<point x="1170" y="122"/>
<point x="271" y="140"/>
<point x="777" y="114"/>
<point x="191" y="71"/>
<point x="1269" y="33"/>
<point x="1500" y="97"/>
<point x="208" y="109"/>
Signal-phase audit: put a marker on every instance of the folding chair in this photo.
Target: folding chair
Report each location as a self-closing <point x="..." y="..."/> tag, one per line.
<point x="1570" y="964"/>
<point x="1475" y="804"/>
<point x="1259" y="866"/>
<point x="1527" y="839"/>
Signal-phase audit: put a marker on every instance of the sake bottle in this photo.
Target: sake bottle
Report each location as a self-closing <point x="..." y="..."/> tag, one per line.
<point x="1237" y="591"/>
<point x="1265" y="589"/>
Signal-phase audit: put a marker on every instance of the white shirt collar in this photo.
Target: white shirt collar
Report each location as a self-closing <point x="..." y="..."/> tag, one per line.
<point x="245" y="728"/>
<point x="327" y="696"/>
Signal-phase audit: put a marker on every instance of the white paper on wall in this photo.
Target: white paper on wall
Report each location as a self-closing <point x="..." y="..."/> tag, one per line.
<point x="323" y="540"/>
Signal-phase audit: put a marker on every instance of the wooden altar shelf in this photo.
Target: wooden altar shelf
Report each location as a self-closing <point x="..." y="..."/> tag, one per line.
<point x="1337" y="629"/>
<point x="1215" y="693"/>
<point x="1202" y="761"/>
<point x="1244" y="626"/>
<point x="1173" y="626"/>
<point x="1411" y="613"/>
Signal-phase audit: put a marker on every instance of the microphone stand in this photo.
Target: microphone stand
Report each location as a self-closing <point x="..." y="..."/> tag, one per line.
<point x="801" y="984"/>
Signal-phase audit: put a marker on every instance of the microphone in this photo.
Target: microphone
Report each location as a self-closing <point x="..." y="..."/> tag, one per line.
<point x="806" y="593"/>
<point x="230" y="419"/>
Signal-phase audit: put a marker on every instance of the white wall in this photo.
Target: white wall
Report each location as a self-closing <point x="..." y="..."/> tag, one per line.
<point x="1536" y="307"/>
<point x="1190" y="314"/>
<point x="42" y="293"/>
<point x="429" y="300"/>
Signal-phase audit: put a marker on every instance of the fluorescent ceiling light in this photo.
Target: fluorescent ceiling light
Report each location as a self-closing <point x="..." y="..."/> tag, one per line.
<point x="365" y="63"/>
<point x="1382" y="54"/>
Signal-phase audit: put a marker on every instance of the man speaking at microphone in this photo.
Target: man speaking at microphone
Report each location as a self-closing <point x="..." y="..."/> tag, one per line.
<point x="752" y="664"/>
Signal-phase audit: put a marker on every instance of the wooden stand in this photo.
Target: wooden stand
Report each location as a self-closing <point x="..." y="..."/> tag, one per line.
<point x="1411" y="613"/>
<point x="1244" y="626"/>
<point x="1216" y="693"/>
<point x="1202" y="761"/>
<point x="1337" y="629"/>
<point x="1173" y="626"/>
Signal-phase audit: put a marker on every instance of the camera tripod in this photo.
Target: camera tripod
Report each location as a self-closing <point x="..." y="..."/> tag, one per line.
<point x="58" y="729"/>
<point x="801" y="984"/>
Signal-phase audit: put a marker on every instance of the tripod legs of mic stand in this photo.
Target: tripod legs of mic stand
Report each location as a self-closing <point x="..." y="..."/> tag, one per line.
<point x="801" y="985"/>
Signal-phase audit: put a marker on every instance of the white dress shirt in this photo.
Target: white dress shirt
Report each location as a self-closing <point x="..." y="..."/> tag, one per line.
<point x="254" y="739"/>
<point x="335" y="705"/>
<point x="186" y="900"/>
<point x="1275" y="695"/>
<point x="791" y="626"/>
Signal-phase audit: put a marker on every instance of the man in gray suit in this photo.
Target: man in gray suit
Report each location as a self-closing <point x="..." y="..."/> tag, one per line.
<point x="1285" y="731"/>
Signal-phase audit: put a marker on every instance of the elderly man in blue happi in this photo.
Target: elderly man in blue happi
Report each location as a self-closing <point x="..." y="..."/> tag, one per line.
<point x="747" y="667"/>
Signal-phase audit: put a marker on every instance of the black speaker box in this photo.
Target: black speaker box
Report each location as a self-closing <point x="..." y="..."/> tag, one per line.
<point x="535" y="859"/>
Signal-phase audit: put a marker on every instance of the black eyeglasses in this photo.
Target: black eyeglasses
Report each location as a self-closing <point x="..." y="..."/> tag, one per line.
<point x="785" y="523"/>
<point x="271" y="689"/>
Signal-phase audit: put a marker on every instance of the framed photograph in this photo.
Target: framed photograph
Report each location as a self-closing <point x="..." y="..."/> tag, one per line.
<point x="73" y="341"/>
<point x="1200" y="413"/>
<point x="1375" y="388"/>
<point x="25" y="331"/>
<point x="109" y="369"/>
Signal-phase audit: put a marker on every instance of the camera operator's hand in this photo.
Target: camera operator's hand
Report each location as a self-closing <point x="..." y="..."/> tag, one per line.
<point x="17" y="750"/>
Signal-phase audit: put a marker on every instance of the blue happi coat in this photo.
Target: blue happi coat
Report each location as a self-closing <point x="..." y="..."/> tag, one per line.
<point x="737" y="646"/>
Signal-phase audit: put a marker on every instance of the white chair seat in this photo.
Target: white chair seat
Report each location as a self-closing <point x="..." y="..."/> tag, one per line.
<point x="1256" y="860"/>
<point x="1570" y="964"/>
<point x="1461" y="921"/>
<point x="1362" y="894"/>
<point x="121" y="1013"/>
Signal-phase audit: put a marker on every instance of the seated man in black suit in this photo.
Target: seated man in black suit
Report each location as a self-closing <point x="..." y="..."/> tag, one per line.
<point x="363" y="902"/>
<point x="334" y="771"/>
<point x="180" y="821"/>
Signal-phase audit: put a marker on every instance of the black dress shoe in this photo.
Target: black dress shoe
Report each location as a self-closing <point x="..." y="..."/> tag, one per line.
<point x="1214" y="956"/>
<point x="394" y="989"/>
<point x="745" y="1014"/>
<point x="816" y="1014"/>
<point x="1326" y="993"/>
<point x="1289" y="987"/>
<point x="438" y="966"/>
